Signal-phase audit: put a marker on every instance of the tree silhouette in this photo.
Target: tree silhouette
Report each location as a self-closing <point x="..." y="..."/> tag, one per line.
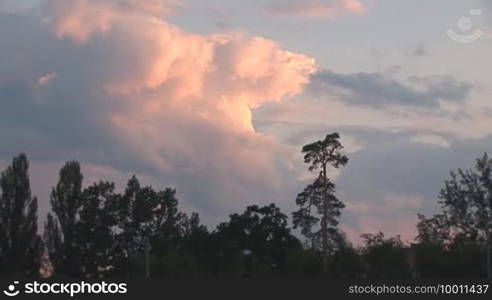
<point x="146" y="219"/>
<point x="61" y="228"/>
<point x="53" y="244"/>
<point x="466" y="200"/>
<point x="320" y="196"/>
<point x="384" y="257"/>
<point x="194" y="246"/>
<point x="96" y="232"/>
<point x="259" y="235"/>
<point x="131" y="219"/>
<point x="20" y="246"/>
<point x="433" y="230"/>
<point x="100" y="253"/>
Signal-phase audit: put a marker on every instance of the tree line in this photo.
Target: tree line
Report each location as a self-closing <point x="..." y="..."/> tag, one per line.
<point x="96" y="232"/>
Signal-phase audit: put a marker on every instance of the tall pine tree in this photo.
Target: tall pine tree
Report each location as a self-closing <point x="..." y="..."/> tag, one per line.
<point x="318" y="203"/>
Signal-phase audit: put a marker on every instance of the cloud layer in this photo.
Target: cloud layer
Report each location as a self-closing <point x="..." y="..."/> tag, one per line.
<point x="376" y="90"/>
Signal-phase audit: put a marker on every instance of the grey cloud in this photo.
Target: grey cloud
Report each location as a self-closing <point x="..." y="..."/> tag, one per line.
<point x="376" y="90"/>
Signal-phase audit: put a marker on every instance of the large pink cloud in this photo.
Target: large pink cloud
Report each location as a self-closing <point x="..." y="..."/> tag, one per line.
<point x="181" y="102"/>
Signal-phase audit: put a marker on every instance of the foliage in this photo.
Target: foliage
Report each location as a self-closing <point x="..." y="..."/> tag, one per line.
<point x="20" y="245"/>
<point x="259" y="237"/>
<point x="61" y="226"/>
<point x="466" y="201"/>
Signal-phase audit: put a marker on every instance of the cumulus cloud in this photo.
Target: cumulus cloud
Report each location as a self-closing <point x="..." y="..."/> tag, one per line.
<point x="125" y="89"/>
<point x="377" y="90"/>
<point x="316" y="8"/>
<point x="80" y="19"/>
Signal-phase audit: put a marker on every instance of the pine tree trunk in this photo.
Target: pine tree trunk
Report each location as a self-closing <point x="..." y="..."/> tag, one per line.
<point x="324" y="226"/>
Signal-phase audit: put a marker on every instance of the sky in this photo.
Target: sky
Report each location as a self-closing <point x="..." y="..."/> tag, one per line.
<point x="216" y="98"/>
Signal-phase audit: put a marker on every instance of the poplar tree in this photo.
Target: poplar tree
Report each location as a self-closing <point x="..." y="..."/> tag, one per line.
<point x="20" y="245"/>
<point x="60" y="233"/>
